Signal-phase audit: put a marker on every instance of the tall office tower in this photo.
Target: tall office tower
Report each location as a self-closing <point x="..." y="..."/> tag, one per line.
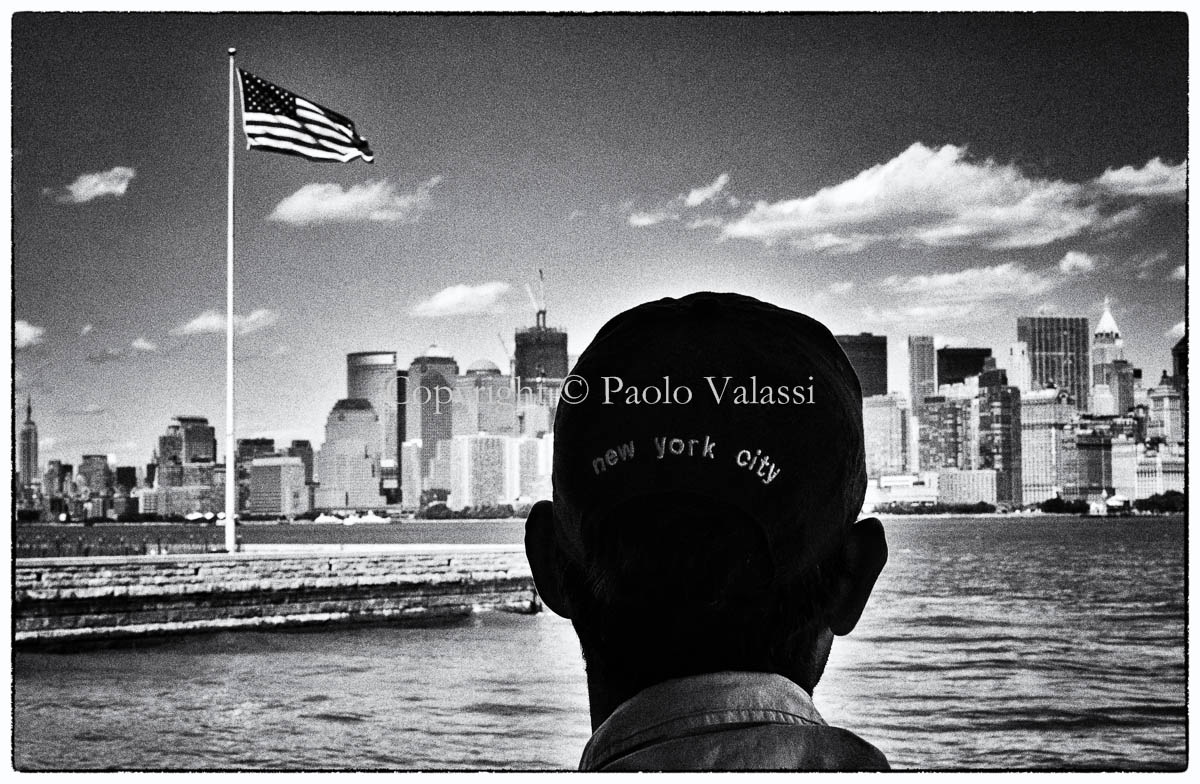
<point x="1166" y="411"/>
<point x="1045" y="415"/>
<point x="947" y="433"/>
<point x="1086" y="462"/>
<point x="868" y="356"/>
<point x="1118" y="377"/>
<point x="1019" y="372"/>
<point x="1112" y="379"/>
<point x="528" y="464"/>
<point x="401" y="412"/>
<point x="1059" y="353"/>
<point x="199" y="439"/>
<point x="885" y="433"/>
<point x="348" y="462"/>
<point x="478" y="471"/>
<point x="922" y="369"/>
<point x="277" y="486"/>
<point x="484" y="401"/>
<point x="28" y="460"/>
<point x="1000" y="434"/>
<point x="1107" y="344"/>
<point x="541" y="352"/>
<point x="431" y="382"/>
<point x="96" y="475"/>
<point x="303" y="450"/>
<point x="169" y="458"/>
<point x="371" y="375"/>
<point x="250" y="448"/>
<point x="247" y="450"/>
<point x="955" y="365"/>
<point x="126" y="478"/>
<point x="52" y="480"/>
<point x="410" y="475"/>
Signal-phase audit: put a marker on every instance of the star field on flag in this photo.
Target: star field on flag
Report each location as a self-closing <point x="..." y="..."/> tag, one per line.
<point x="277" y="120"/>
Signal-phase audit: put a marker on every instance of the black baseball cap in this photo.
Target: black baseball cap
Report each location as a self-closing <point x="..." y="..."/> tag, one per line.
<point x="718" y="396"/>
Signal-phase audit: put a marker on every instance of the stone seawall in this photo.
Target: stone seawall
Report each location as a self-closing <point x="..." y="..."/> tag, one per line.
<point x="68" y="601"/>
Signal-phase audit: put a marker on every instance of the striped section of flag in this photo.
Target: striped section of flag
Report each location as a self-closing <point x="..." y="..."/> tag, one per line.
<point x="277" y="120"/>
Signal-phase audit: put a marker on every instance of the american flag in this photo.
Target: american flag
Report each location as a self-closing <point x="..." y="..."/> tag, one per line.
<point x="281" y="121"/>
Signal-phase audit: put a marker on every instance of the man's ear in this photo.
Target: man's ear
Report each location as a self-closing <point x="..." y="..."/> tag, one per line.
<point x="545" y="557"/>
<point x="863" y="556"/>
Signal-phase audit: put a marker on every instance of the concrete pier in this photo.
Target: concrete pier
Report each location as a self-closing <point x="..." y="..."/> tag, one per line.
<point x="71" y="601"/>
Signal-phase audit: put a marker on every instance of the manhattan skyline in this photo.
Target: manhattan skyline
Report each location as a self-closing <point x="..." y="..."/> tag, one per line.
<point x="895" y="174"/>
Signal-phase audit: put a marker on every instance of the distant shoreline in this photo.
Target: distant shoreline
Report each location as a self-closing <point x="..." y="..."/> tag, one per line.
<point x="459" y="521"/>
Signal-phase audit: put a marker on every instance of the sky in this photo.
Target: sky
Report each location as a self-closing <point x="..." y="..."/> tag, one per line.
<point x="897" y="174"/>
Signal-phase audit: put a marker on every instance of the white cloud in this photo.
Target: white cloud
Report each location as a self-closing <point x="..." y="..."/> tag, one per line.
<point x="927" y="313"/>
<point x="85" y="329"/>
<point x="1076" y="261"/>
<point x="1177" y="331"/>
<point x="90" y="186"/>
<point x="141" y="344"/>
<point x="1146" y="262"/>
<point x="841" y="286"/>
<point x="369" y="201"/>
<point x="974" y="284"/>
<point x="1179" y="273"/>
<point x="643" y="219"/>
<point x="461" y="300"/>
<point x="1154" y="179"/>
<point x="107" y="355"/>
<point x="210" y="321"/>
<point x="698" y="196"/>
<point x="700" y="223"/>
<point x="26" y="334"/>
<point x="939" y="197"/>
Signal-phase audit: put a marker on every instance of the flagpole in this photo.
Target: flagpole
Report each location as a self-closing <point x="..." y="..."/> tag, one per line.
<point x="230" y="454"/>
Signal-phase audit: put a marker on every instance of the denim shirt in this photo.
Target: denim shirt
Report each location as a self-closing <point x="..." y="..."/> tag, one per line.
<point x="725" y="721"/>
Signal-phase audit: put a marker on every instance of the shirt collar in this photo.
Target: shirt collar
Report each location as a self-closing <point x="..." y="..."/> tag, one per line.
<point x="686" y="705"/>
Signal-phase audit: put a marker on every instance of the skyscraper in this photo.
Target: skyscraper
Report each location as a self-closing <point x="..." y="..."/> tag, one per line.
<point x="483" y="401"/>
<point x="885" y="435"/>
<point x="1045" y="414"/>
<point x="541" y="352"/>
<point x="199" y="439"/>
<point x="95" y="474"/>
<point x="1000" y="434"/>
<point x="432" y="379"/>
<point x="1019" y="374"/>
<point x="922" y="369"/>
<point x="954" y="365"/>
<point x="348" y="462"/>
<point x="947" y="433"/>
<point x="1059" y="353"/>
<point x="303" y="450"/>
<point x="868" y="356"/>
<point x="277" y="486"/>
<point x="371" y="375"/>
<point x="478" y="468"/>
<point x="1107" y="344"/>
<point x="28" y="456"/>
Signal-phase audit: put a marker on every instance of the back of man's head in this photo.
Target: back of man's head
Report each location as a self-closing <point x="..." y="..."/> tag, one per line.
<point x="708" y="469"/>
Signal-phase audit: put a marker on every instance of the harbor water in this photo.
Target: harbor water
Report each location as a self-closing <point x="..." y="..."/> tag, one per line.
<point x="1038" y="643"/>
